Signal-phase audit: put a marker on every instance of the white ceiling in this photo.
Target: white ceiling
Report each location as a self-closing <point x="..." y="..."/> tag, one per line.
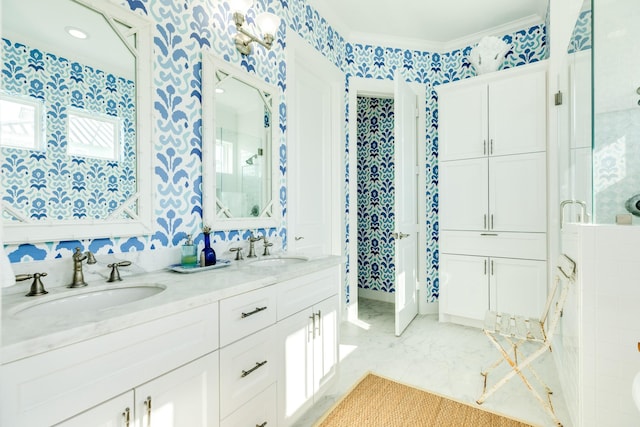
<point x="428" y="24"/>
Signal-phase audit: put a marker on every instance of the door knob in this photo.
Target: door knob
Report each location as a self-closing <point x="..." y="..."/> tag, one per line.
<point x="399" y="236"/>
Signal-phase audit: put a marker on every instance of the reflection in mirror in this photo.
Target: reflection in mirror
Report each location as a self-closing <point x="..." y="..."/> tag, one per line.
<point x="238" y="183"/>
<point x="87" y="64"/>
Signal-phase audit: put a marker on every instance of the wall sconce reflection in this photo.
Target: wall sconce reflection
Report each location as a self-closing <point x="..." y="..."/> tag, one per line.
<point x="267" y="23"/>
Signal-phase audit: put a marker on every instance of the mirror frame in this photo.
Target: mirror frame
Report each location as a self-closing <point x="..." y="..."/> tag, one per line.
<point x="113" y="226"/>
<point x="210" y="65"/>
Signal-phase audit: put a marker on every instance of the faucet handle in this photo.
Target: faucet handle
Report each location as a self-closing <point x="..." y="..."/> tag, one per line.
<point x="267" y="245"/>
<point x="238" y="251"/>
<point x="115" y="273"/>
<point x="37" y="288"/>
<point x="91" y="259"/>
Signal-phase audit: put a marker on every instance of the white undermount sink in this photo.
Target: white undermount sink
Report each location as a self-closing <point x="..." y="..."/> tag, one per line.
<point x="87" y="299"/>
<point x="279" y="261"/>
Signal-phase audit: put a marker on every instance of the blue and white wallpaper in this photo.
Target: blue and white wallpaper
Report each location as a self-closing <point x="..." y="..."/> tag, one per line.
<point x="582" y="38"/>
<point x="376" y="195"/>
<point x="183" y="29"/>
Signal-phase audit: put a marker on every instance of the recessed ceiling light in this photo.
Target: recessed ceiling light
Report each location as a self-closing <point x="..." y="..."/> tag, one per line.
<point x="76" y="32"/>
<point x="219" y="90"/>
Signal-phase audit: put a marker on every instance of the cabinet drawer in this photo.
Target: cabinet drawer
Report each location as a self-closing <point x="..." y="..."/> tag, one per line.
<point x="49" y="387"/>
<point x="297" y="294"/>
<point x="246" y="368"/>
<point x="259" y="411"/>
<point x="498" y="244"/>
<point x="246" y="313"/>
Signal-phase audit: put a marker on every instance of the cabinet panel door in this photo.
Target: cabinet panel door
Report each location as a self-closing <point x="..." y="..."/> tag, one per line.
<point x="462" y="122"/>
<point x="518" y="193"/>
<point x="187" y="396"/>
<point x="112" y="413"/>
<point x="464" y="285"/>
<point x="295" y="379"/>
<point x="518" y="286"/>
<point x="517" y="114"/>
<point x="325" y="344"/>
<point x="463" y="200"/>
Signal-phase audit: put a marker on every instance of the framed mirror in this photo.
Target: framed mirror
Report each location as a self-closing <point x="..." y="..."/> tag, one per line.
<point x="240" y="141"/>
<point x="87" y="64"/>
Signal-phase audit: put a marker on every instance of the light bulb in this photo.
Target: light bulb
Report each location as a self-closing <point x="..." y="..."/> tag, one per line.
<point x="268" y="23"/>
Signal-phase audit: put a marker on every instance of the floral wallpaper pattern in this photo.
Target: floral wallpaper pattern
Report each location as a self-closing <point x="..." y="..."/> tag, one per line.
<point x="185" y="28"/>
<point x="376" y="222"/>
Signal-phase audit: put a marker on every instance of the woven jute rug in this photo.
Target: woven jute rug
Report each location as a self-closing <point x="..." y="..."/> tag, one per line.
<point x="380" y="402"/>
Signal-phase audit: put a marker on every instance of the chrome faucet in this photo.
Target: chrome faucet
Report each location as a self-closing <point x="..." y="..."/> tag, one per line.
<point x="78" y="277"/>
<point x="252" y="249"/>
<point x="37" y="288"/>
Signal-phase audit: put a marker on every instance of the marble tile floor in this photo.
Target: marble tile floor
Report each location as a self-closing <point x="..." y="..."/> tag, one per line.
<point x="439" y="357"/>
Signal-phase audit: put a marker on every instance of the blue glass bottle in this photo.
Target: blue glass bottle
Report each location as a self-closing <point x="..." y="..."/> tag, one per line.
<point x="208" y="255"/>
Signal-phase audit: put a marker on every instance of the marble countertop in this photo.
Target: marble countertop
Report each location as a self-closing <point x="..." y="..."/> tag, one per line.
<point x="30" y="335"/>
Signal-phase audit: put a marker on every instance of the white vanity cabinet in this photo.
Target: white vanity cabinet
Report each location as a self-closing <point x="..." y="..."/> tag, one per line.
<point x="308" y="311"/>
<point x="184" y="396"/>
<point x="248" y="357"/>
<point x="47" y="388"/>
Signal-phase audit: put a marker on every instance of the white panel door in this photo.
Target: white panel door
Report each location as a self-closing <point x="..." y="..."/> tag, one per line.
<point x="314" y="119"/>
<point x="406" y="207"/>
<point x="517" y="114"/>
<point x="187" y="396"/>
<point x="325" y="344"/>
<point x="518" y="193"/>
<point x="463" y="195"/>
<point x="112" y="413"/>
<point x="464" y="285"/>
<point x="462" y="117"/>
<point x="518" y="286"/>
<point x="295" y="379"/>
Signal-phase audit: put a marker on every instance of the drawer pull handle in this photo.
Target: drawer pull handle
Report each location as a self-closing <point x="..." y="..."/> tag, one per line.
<point x="126" y="417"/>
<point x="251" y="313"/>
<point x="258" y="365"/>
<point x="488" y="234"/>
<point x="264" y="424"/>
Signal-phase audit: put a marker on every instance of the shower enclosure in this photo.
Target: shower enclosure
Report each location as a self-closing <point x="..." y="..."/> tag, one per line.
<point x="604" y="123"/>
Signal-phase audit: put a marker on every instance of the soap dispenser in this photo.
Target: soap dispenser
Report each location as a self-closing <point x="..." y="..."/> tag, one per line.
<point x="189" y="253"/>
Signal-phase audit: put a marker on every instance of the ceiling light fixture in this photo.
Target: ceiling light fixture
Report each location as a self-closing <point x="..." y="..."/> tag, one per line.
<point x="267" y="23"/>
<point x="76" y="33"/>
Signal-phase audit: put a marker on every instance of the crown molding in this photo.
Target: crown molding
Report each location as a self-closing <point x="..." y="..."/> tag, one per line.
<point x="422" y="45"/>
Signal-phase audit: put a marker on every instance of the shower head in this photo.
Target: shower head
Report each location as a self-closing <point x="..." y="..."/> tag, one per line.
<point x="250" y="160"/>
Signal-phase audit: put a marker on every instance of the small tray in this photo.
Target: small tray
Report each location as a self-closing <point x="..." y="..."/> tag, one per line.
<point x="221" y="263"/>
